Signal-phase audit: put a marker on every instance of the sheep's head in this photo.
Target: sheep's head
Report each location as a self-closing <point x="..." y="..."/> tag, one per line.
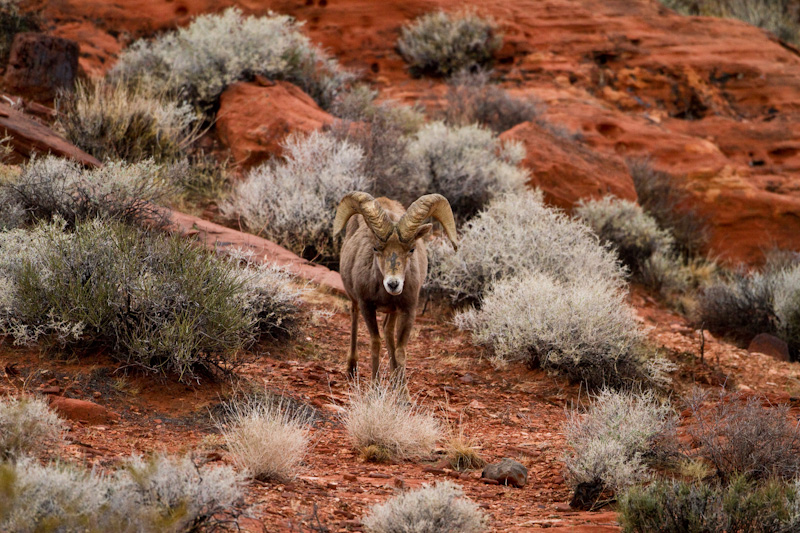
<point x="394" y="244"/>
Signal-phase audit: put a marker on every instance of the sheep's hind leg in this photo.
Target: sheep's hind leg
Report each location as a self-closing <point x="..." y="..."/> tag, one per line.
<point x="352" y="360"/>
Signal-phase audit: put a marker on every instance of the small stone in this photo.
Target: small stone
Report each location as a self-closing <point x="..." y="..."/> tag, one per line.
<point x="433" y="470"/>
<point x="96" y="394"/>
<point x="467" y="379"/>
<point x="82" y="410"/>
<point x="507" y="472"/>
<point x="379" y="475"/>
<point x="50" y="390"/>
<point x="769" y="345"/>
<point x="563" y="507"/>
<point x="350" y="477"/>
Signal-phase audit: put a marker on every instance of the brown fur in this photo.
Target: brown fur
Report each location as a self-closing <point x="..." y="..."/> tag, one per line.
<point x="363" y="270"/>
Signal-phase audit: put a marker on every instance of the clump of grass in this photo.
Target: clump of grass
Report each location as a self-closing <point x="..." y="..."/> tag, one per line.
<point x="199" y="61"/>
<point x="143" y="495"/>
<point x="381" y="416"/>
<point x="266" y="439"/>
<point x="154" y="301"/>
<point x="27" y="427"/>
<point x="612" y="443"/>
<point x="442" y="508"/>
<point x="471" y="98"/>
<point x="441" y="44"/>
<point x="122" y="122"/>
<point x="461" y="451"/>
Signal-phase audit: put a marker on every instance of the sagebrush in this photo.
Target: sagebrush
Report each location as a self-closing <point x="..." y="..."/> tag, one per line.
<point x="197" y="62"/>
<point x="124" y="122"/>
<point x="441" y="508"/>
<point x="154" y="301"/>
<point x="155" y="495"/>
<point x="27" y="427"/>
<point x="441" y="44"/>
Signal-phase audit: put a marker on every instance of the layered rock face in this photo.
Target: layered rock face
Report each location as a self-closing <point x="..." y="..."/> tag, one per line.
<point x="714" y="102"/>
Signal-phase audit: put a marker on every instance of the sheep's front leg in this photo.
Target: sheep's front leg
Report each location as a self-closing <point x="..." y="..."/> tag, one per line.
<point x="405" y="325"/>
<point x="352" y="360"/>
<point x="370" y="317"/>
<point x="388" y="334"/>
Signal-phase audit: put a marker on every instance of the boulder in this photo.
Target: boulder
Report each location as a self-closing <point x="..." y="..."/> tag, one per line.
<point x="507" y="472"/>
<point x="567" y="171"/>
<point x="40" y="65"/>
<point x="769" y="345"/>
<point x="255" y="117"/>
<point x="82" y="410"/>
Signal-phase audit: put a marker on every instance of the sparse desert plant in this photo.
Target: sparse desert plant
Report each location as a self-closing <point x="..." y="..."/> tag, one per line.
<point x="517" y="234"/>
<point x="158" y="302"/>
<point x="54" y="186"/>
<point x="613" y="441"/>
<point x="739" y="307"/>
<point x="661" y="197"/>
<point x="381" y="415"/>
<point x="12" y="22"/>
<point x="442" y="508"/>
<point x="441" y="44"/>
<point x="461" y="451"/>
<point x="199" y="180"/>
<point x="199" y="61"/>
<point x="266" y="439"/>
<point x="471" y="98"/>
<point x="123" y="122"/>
<point x="293" y="201"/>
<point x="27" y="426"/>
<point x="742" y="436"/>
<point x="160" y="494"/>
<point x="583" y="330"/>
<point x="468" y="165"/>
<point x="786" y="301"/>
<point x="670" y="506"/>
<point x="776" y="16"/>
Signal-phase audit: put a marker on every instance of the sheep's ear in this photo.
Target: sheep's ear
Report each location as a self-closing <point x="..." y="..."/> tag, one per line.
<point x="423" y="230"/>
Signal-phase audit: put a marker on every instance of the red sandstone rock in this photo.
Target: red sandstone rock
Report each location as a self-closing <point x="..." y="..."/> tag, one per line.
<point x="82" y="410"/>
<point x="769" y="345"/>
<point x="567" y="171"/>
<point x="40" y="65"/>
<point x="254" y="118"/>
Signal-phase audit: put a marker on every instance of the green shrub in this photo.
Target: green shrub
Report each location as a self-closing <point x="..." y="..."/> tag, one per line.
<point x="613" y="442"/>
<point x="442" y="508"/>
<point x="12" y="22"/>
<point x="471" y="99"/>
<point x="27" y="426"/>
<point x="662" y="198"/>
<point x="776" y="16"/>
<point x="742" y="506"/>
<point x="199" y="61"/>
<point x="53" y="186"/>
<point x="157" y="495"/>
<point x="121" y="122"/>
<point x="293" y="201"/>
<point x="441" y="44"/>
<point x="158" y="302"/>
<point x="469" y="165"/>
<point x="739" y="307"/>
<point x="517" y="234"/>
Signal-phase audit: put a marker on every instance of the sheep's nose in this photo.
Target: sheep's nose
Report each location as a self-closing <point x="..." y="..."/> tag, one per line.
<point x="393" y="284"/>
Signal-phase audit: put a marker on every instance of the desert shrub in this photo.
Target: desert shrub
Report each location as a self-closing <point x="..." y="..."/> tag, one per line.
<point x="613" y="442"/>
<point x="441" y="508"/>
<point x="53" y="186"/>
<point x="740" y="306"/>
<point x="158" y="302"/>
<point x="12" y="22"/>
<point x="380" y="415"/>
<point x="679" y="507"/>
<point x="266" y="438"/>
<point x="160" y="494"/>
<point x="583" y="330"/>
<point x="461" y="451"/>
<point x="776" y="16"/>
<point x="27" y="426"/>
<point x="122" y="122"/>
<point x="199" y="180"/>
<point x="293" y="201"/>
<point x="516" y="234"/>
<point x="469" y="165"/>
<point x="199" y="61"/>
<point x="441" y="44"/>
<point x="662" y="198"/>
<point x="471" y="98"/>
<point x="786" y="301"/>
<point x="742" y="436"/>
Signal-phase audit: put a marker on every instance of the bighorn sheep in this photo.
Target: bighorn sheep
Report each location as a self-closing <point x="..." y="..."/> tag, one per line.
<point x="383" y="266"/>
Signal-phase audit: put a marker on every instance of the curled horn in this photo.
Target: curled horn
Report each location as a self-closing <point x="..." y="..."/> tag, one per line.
<point x="361" y="203"/>
<point x="430" y="205"/>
